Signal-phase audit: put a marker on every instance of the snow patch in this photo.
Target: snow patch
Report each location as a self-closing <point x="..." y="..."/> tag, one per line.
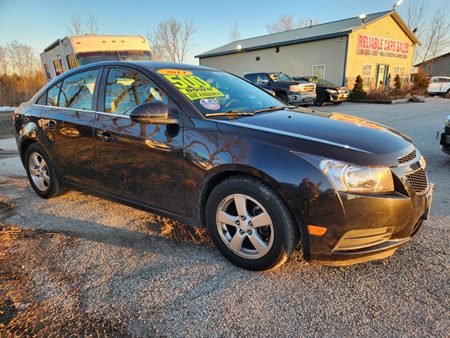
<point x="6" y="108"/>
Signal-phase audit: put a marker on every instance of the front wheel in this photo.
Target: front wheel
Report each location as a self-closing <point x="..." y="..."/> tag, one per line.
<point x="320" y="100"/>
<point x="250" y="224"/>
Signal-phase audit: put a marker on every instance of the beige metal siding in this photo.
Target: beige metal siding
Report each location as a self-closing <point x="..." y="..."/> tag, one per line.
<point x="295" y="60"/>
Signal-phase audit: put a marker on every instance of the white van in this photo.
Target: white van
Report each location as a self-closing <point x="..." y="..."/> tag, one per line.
<point x="73" y="51"/>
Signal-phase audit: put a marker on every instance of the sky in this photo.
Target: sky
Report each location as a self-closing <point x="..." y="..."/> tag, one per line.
<point x="40" y="22"/>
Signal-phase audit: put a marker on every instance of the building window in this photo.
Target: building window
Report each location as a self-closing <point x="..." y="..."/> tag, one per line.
<point x="71" y="61"/>
<point x="58" y="67"/>
<point x="318" y="71"/>
<point x="47" y="72"/>
<point x="401" y="71"/>
<point x="366" y="72"/>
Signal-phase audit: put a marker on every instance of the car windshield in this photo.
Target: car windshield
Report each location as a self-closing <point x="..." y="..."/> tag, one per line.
<point x="280" y="77"/>
<point x="124" y="55"/>
<point x="213" y="91"/>
<point x="325" y="83"/>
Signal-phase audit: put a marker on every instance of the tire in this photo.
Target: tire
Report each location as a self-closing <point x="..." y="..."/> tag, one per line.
<point x="337" y="103"/>
<point x="320" y="100"/>
<point x="235" y="235"/>
<point x="42" y="176"/>
<point x="447" y="94"/>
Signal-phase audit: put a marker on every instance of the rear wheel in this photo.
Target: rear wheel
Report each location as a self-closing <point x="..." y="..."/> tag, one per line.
<point x="250" y="224"/>
<point x="41" y="173"/>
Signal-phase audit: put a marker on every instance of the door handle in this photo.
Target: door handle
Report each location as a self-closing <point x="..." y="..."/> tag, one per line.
<point x="104" y="136"/>
<point x="51" y="124"/>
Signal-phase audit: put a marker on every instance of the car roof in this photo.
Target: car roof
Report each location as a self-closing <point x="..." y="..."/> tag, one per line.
<point x="152" y="65"/>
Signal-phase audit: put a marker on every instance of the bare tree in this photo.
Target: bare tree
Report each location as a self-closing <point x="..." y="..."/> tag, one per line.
<point x="21" y="59"/>
<point x="437" y="37"/>
<point x="172" y="39"/>
<point x="284" y="23"/>
<point x="307" y="22"/>
<point x="416" y="22"/>
<point x="91" y="24"/>
<point x="3" y="61"/>
<point x="234" y="34"/>
<point x="75" y="27"/>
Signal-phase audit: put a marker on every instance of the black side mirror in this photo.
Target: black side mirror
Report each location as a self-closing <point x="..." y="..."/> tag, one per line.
<point x="152" y="113"/>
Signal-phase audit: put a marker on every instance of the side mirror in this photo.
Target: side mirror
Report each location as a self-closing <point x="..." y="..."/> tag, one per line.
<point x="152" y="113"/>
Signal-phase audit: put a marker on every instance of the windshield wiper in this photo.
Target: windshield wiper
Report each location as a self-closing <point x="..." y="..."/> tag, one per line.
<point x="273" y="108"/>
<point x="231" y="113"/>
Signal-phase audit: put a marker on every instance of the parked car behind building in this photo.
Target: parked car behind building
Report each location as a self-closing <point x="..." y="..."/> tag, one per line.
<point x="73" y="51"/>
<point x="289" y="90"/>
<point x="326" y="91"/>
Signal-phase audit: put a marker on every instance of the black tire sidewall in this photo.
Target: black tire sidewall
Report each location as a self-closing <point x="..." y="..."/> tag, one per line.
<point x="320" y="100"/>
<point x="273" y="205"/>
<point x="54" y="186"/>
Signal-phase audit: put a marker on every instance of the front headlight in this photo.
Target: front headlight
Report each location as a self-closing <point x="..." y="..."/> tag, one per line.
<point x="352" y="178"/>
<point x="294" y="88"/>
<point x="331" y="91"/>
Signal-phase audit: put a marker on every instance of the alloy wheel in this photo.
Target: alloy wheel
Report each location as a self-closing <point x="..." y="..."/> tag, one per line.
<point x="39" y="171"/>
<point x="245" y="226"/>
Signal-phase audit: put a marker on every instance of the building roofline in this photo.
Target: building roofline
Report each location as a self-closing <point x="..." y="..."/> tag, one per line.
<point x="392" y="13"/>
<point x="276" y="44"/>
<point x="432" y="59"/>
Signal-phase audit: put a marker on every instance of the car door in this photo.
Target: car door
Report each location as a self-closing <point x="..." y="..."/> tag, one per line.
<point x="139" y="162"/>
<point x="67" y="122"/>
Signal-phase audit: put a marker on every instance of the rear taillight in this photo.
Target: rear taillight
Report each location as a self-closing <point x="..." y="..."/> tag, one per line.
<point x="14" y="116"/>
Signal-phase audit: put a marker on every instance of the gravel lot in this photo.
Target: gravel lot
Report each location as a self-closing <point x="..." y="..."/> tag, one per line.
<point x="80" y="265"/>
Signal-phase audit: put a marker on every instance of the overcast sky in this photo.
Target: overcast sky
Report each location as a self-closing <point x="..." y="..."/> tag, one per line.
<point x="40" y="22"/>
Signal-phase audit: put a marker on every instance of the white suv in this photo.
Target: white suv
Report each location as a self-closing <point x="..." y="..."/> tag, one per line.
<point x="439" y="85"/>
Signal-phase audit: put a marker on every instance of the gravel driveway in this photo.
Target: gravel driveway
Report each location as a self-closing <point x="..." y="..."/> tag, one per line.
<point x="81" y="265"/>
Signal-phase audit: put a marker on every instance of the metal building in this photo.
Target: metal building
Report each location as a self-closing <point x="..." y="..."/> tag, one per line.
<point x="377" y="47"/>
<point x="438" y="66"/>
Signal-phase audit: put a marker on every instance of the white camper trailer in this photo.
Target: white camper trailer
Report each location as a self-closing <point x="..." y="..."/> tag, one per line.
<point x="73" y="51"/>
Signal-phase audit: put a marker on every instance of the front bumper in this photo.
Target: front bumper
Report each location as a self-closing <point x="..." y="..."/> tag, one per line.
<point x="339" y="97"/>
<point x="367" y="227"/>
<point x="301" y="98"/>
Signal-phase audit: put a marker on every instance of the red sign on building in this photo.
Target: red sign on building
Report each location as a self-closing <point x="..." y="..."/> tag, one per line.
<point x="378" y="46"/>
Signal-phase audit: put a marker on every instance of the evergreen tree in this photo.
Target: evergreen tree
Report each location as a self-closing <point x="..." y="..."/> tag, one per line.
<point x="358" y="92"/>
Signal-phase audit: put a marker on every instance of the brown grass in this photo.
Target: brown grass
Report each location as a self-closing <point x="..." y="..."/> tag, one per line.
<point x="16" y="89"/>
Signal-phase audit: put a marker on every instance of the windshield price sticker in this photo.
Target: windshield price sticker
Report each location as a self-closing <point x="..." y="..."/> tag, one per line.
<point x="193" y="87"/>
<point x="174" y="72"/>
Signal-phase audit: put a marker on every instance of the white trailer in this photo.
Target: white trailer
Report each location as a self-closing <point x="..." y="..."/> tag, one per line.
<point x="73" y="51"/>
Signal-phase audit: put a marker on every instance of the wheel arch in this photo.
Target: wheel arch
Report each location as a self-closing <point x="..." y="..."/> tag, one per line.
<point x="221" y="173"/>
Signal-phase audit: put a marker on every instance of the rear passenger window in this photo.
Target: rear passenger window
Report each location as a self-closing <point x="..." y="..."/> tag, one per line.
<point x="127" y="88"/>
<point x="251" y="77"/>
<point x="77" y="90"/>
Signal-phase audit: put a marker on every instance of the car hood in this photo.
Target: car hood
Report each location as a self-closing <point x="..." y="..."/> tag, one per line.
<point x="332" y="135"/>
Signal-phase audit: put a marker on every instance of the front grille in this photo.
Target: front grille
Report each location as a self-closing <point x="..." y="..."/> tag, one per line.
<point x="408" y="157"/>
<point x="308" y="88"/>
<point x="418" y="180"/>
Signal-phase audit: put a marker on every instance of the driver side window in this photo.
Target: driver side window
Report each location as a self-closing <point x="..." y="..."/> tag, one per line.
<point x="262" y="78"/>
<point x="127" y="88"/>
